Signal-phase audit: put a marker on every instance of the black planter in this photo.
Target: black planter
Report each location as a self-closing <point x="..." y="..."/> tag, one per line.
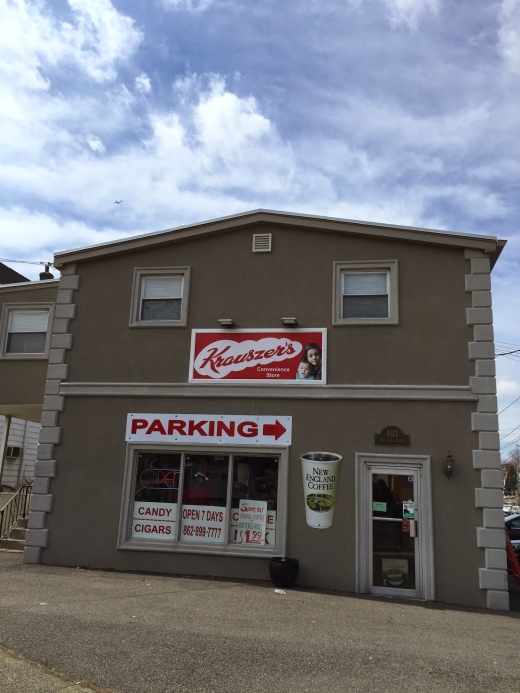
<point x="283" y="571"/>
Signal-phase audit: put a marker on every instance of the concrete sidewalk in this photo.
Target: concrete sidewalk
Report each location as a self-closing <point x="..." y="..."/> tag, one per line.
<point x="155" y="634"/>
<point x="20" y="674"/>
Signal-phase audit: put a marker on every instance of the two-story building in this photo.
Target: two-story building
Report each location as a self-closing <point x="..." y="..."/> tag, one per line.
<point x="190" y="370"/>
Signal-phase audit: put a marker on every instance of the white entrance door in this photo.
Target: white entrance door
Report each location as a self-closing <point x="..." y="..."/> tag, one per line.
<point x="395" y="542"/>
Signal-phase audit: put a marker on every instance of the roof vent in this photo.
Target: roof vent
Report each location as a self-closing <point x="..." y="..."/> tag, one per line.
<point x="262" y="242"/>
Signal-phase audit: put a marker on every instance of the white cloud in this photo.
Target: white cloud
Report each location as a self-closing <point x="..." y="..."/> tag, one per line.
<point x="226" y="122"/>
<point x="404" y="12"/>
<point x="143" y="83"/>
<point x="189" y="5"/>
<point x="508" y="387"/>
<point x="509" y="34"/>
<point x="213" y="149"/>
<point x="408" y="12"/>
<point x="95" y="144"/>
<point x="44" y="234"/>
<point x="32" y="39"/>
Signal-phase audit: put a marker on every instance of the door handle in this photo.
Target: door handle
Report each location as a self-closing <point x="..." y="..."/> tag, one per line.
<point x="413" y="529"/>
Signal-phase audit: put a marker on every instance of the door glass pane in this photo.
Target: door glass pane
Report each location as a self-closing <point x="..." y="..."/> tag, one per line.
<point x="393" y="547"/>
<point x="203" y="516"/>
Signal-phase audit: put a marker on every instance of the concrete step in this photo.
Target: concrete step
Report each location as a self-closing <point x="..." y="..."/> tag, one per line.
<point x="22" y="522"/>
<point x="12" y="544"/>
<point x="17" y="533"/>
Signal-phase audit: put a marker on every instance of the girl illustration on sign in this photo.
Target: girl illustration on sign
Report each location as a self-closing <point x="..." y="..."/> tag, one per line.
<point x="310" y="366"/>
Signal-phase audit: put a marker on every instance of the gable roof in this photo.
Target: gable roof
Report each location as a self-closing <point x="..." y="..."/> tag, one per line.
<point x="489" y="244"/>
<point x="10" y="276"/>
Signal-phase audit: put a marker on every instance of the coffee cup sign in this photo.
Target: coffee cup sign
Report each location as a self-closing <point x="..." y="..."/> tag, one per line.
<point x="320" y="471"/>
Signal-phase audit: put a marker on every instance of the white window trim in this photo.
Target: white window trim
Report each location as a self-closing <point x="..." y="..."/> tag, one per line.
<point x="141" y="273"/>
<point x="390" y="266"/>
<point x="363" y="464"/>
<point x="126" y="542"/>
<point x="4" y="329"/>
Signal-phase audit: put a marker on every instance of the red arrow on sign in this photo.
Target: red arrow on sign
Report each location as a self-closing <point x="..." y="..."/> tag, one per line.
<point x="276" y="430"/>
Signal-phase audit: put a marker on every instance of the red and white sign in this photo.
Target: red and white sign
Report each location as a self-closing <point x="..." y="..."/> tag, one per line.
<point x="277" y="356"/>
<point x="238" y="536"/>
<point x="154" y="520"/>
<point x="210" y="428"/>
<point x="252" y="518"/>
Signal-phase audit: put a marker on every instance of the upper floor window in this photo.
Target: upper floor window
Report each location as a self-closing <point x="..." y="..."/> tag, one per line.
<point x="25" y="330"/>
<point x="160" y="297"/>
<point x="365" y="293"/>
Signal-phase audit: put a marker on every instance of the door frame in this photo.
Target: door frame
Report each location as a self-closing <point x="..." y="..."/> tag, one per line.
<point x="426" y="586"/>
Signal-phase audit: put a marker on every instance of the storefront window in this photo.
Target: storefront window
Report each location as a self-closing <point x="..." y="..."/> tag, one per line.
<point x="254" y="479"/>
<point x="154" y="514"/>
<point x="204" y="499"/>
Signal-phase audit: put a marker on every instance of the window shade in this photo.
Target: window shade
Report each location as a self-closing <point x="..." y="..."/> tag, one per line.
<point x="162" y="287"/>
<point x="366" y="284"/>
<point x="29" y="321"/>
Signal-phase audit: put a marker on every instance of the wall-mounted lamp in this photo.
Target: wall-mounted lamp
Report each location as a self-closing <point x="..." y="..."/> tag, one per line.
<point x="449" y="464"/>
<point x="289" y="322"/>
<point x="226" y="322"/>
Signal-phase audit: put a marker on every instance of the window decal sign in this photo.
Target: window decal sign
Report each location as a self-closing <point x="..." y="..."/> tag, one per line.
<point x="154" y="520"/>
<point x="206" y="428"/>
<point x="205" y="523"/>
<point x="273" y="356"/>
<point x="238" y="536"/>
<point x="408" y="509"/>
<point x="252" y="521"/>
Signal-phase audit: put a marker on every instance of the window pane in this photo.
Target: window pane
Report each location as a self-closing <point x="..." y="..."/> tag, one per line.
<point x="29" y="321"/>
<point x="365" y="306"/>
<point x="26" y="343"/>
<point x="366" y="283"/>
<point x="254" y="479"/>
<point x="162" y="287"/>
<point x="204" y="498"/>
<point x="159" y="309"/>
<point x="156" y="493"/>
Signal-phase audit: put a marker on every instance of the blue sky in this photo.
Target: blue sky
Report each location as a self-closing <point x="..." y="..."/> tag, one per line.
<point x="398" y="111"/>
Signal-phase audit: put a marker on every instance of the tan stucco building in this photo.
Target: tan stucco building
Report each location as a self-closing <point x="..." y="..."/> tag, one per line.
<point x="384" y="357"/>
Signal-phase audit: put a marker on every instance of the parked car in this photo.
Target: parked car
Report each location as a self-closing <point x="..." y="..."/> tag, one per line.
<point x="513" y="529"/>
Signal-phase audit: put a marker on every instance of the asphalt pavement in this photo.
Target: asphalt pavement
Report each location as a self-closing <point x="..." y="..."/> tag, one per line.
<point x="66" y="629"/>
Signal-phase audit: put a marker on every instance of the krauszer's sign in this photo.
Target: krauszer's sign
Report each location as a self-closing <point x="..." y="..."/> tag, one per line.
<point x="209" y="428"/>
<point x="275" y="356"/>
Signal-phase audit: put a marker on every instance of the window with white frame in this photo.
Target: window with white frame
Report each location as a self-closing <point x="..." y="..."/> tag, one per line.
<point x="365" y="293"/>
<point x="203" y="501"/>
<point x="25" y="330"/>
<point x="160" y="297"/>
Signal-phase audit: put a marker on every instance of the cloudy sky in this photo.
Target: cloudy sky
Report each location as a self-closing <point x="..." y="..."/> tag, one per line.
<point x="398" y="111"/>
